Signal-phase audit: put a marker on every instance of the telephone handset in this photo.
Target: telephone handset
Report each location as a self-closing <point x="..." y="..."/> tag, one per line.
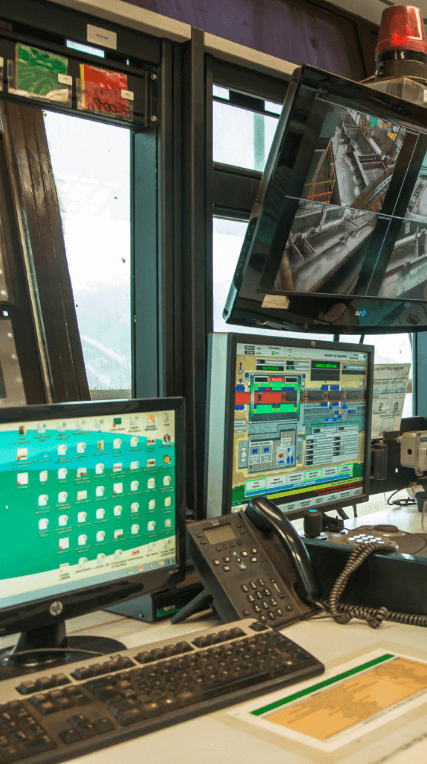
<point x="252" y="563"/>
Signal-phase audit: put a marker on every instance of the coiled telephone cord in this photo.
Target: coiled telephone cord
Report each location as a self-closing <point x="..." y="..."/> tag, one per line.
<point x="373" y="616"/>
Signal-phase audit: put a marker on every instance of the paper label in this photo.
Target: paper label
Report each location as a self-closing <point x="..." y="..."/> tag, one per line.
<point x="275" y="301"/>
<point x="101" y="36"/>
<point x="128" y="95"/>
<point x="65" y="79"/>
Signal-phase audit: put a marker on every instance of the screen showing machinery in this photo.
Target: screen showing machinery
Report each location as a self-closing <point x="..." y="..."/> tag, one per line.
<point x="297" y="422"/>
<point x="341" y="214"/>
<point x="92" y="497"/>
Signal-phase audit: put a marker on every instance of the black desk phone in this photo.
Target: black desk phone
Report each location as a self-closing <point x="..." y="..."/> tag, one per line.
<point x="252" y="563"/>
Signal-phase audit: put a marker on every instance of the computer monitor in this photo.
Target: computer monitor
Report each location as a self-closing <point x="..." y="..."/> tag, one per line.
<point x="92" y="512"/>
<point x="289" y="419"/>
<point x="337" y="236"/>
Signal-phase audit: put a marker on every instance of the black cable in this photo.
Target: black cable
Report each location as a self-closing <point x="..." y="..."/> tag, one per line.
<point x="408" y="502"/>
<point x="373" y="616"/>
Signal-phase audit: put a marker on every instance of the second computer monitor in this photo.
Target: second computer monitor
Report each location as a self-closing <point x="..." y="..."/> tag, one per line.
<point x="289" y="419"/>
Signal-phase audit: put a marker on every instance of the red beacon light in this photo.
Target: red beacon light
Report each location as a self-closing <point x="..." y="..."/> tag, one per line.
<point x="402" y="46"/>
<point x="402" y="29"/>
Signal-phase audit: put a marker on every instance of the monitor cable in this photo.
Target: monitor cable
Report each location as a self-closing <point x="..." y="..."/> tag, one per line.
<point x="342" y="613"/>
<point x="408" y="502"/>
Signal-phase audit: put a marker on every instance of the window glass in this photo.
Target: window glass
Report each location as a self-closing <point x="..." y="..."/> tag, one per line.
<point x="241" y="137"/>
<point x="91" y="167"/>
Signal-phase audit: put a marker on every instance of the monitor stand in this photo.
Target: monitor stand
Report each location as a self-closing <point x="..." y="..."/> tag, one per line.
<point x="48" y="648"/>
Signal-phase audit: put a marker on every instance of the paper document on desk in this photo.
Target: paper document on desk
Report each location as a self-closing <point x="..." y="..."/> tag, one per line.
<point x="349" y="702"/>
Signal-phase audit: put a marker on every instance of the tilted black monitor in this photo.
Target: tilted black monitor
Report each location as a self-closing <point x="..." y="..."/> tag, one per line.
<point x="289" y="419"/>
<point x="337" y="239"/>
<point x="92" y="512"/>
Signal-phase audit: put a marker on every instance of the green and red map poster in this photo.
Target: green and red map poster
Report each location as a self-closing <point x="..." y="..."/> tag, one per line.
<point x="102" y="91"/>
<point x="37" y="73"/>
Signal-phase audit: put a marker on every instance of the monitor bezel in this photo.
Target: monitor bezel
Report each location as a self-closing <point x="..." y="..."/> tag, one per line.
<point x="46" y="611"/>
<point x="234" y="340"/>
<point x="254" y="276"/>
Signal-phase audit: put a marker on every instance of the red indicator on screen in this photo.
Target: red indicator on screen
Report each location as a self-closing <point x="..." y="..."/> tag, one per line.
<point x="243" y="399"/>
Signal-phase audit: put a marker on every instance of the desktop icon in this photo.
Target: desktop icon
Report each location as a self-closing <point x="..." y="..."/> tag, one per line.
<point x="62" y="449"/>
<point x="134" y="465"/>
<point x="43" y="524"/>
<point x="99" y="468"/>
<point x="43" y="500"/>
<point x="22" y="478"/>
<point x="134" y="529"/>
<point x="62" y="473"/>
<point x="99" y="490"/>
<point x="134" y="441"/>
<point x="62" y="497"/>
<point x="117" y="488"/>
<point x="81" y="517"/>
<point x="134" y="506"/>
<point x="22" y="454"/>
<point x="43" y="476"/>
<point x="152" y="504"/>
<point x="81" y="495"/>
<point x="81" y="472"/>
<point x="167" y="480"/>
<point x="117" y="444"/>
<point x="117" y="467"/>
<point x="134" y="485"/>
<point x="62" y="520"/>
<point x="100" y="535"/>
<point x="151" y="483"/>
<point x="118" y="533"/>
<point x="100" y="513"/>
<point x="118" y="510"/>
<point x="82" y="539"/>
<point x="64" y="543"/>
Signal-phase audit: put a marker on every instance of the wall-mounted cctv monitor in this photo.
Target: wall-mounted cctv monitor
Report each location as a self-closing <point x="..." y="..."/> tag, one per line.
<point x="289" y="419"/>
<point x="337" y="239"/>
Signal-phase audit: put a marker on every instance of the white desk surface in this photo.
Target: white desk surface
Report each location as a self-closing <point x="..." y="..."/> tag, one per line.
<point x="215" y="738"/>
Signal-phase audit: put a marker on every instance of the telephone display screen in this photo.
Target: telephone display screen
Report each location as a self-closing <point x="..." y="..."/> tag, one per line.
<point x="299" y="424"/>
<point x="220" y="534"/>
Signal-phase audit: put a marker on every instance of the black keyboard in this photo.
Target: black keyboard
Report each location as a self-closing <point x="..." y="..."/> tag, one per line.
<point x="55" y="717"/>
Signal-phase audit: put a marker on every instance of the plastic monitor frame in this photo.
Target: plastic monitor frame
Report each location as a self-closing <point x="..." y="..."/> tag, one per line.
<point x="42" y="621"/>
<point x="221" y="415"/>
<point x="254" y="299"/>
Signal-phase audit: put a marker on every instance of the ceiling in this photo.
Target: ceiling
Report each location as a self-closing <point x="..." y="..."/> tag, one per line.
<point x="372" y="9"/>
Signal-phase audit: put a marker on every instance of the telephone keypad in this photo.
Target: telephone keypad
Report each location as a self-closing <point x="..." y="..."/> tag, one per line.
<point x="262" y="595"/>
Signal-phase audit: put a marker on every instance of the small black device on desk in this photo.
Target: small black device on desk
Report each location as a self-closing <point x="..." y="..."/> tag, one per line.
<point x="252" y="563"/>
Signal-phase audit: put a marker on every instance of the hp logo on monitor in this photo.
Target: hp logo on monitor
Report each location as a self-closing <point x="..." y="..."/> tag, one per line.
<point x="56" y="608"/>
